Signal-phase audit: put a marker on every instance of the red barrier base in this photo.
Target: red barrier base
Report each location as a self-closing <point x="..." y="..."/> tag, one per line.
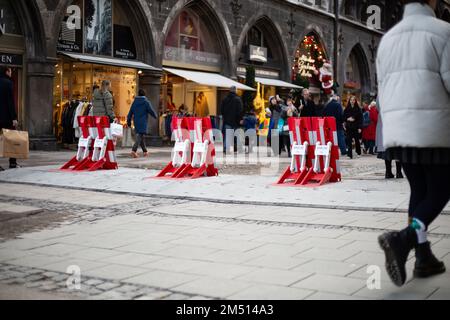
<point x="71" y="164"/>
<point x="170" y="172"/>
<point x="313" y="179"/>
<point x="194" y="173"/>
<point x="291" y="178"/>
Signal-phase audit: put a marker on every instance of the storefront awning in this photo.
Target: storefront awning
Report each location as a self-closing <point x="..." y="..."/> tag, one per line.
<point x="208" y="79"/>
<point x="109" y="61"/>
<point x="276" y="83"/>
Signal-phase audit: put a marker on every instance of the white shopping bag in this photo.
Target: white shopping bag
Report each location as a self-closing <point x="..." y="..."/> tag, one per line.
<point x="116" y="130"/>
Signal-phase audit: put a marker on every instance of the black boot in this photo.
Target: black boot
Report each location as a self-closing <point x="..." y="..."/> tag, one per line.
<point x="427" y="265"/>
<point x="397" y="246"/>
<point x="389" y="174"/>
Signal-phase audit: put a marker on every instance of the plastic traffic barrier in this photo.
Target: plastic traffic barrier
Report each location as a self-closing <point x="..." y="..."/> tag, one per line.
<point x="203" y="151"/>
<point x="302" y="148"/>
<point x="103" y="155"/>
<point x="182" y="151"/>
<point x="85" y="143"/>
<point x="326" y="166"/>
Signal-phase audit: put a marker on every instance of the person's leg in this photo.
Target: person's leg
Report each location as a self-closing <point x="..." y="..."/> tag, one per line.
<point x="143" y="146"/>
<point x="349" y="142"/>
<point x="418" y="184"/>
<point x="389" y="174"/>
<point x="136" y="145"/>
<point x="12" y="163"/>
<point x="371" y="147"/>
<point x="437" y="179"/>
<point x="437" y="196"/>
<point x="357" y="143"/>
<point x="341" y="142"/>
<point x="288" y="145"/>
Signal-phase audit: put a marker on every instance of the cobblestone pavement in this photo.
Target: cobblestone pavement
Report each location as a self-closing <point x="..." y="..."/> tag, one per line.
<point x="156" y="248"/>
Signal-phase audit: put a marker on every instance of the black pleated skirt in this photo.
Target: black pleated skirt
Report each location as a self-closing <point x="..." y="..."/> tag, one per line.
<point x="423" y="156"/>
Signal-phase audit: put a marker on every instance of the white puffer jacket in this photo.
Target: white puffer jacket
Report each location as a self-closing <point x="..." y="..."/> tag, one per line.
<point x="413" y="66"/>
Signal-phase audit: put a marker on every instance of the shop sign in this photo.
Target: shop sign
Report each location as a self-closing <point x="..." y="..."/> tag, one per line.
<point x="98" y="28"/>
<point x="192" y="56"/>
<point x="11" y="59"/>
<point x="124" y="47"/>
<point x="2" y="25"/>
<point x="263" y="73"/>
<point x="258" y="54"/>
<point x="70" y="39"/>
<point x="306" y="66"/>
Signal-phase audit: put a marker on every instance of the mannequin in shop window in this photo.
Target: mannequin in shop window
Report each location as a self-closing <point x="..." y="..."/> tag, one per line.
<point x="171" y="107"/>
<point x="201" y="105"/>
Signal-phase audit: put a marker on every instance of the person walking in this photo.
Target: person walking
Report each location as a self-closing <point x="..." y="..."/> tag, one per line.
<point x="353" y="126"/>
<point x="232" y="110"/>
<point x="416" y="131"/>
<point x="334" y="109"/>
<point x="307" y="106"/>
<point x="381" y="154"/>
<point x="287" y="111"/>
<point x="369" y="132"/>
<point x="103" y="103"/>
<point x="139" y="111"/>
<point x="8" y="114"/>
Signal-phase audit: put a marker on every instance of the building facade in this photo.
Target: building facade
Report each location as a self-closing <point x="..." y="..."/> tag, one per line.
<point x="151" y="44"/>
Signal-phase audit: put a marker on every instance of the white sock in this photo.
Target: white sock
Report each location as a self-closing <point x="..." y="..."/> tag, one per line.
<point x="421" y="230"/>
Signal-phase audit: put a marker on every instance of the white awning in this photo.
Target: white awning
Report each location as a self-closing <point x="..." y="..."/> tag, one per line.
<point x="208" y="79"/>
<point x="276" y="83"/>
<point x="109" y="61"/>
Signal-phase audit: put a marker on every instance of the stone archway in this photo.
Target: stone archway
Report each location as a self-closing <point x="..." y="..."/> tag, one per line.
<point x="274" y="36"/>
<point x="357" y="72"/>
<point x="209" y="14"/>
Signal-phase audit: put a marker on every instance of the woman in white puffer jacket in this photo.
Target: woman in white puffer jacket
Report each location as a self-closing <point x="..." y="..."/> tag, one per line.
<point x="413" y="67"/>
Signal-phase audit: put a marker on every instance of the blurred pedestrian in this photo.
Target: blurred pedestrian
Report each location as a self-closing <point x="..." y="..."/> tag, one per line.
<point x="288" y="111"/>
<point x="103" y="102"/>
<point x="139" y="111"/>
<point x="353" y="126"/>
<point x="307" y="106"/>
<point x="334" y="109"/>
<point x="232" y="110"/>
<point x="8" y="114"/>
<point x="369" y="130"/>
<point x="416" y="131"/>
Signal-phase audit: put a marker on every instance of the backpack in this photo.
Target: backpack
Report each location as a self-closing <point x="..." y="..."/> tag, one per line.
<point x="366" y="119"/>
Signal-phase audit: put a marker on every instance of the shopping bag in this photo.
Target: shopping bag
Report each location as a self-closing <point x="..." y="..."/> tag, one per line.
<point x="14" y="144"/>
<point x="116" y="130"/>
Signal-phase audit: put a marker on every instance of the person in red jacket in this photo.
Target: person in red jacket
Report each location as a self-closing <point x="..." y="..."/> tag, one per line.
<point x="369" y="133"/>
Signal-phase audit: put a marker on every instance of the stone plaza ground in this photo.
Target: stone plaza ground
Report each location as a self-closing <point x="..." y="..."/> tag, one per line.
<point x="235" y="236"/>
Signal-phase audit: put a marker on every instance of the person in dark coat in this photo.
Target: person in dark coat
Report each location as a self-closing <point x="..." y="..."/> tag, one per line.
<point x="370" y="132"/>
<point x="334" y="109"/>
<point x="307" y="105"/>
<point x="140" y="109"/>
<point x="232" y="110"/>
<point x="8" y="114"/>
<point x="353" y="119"/>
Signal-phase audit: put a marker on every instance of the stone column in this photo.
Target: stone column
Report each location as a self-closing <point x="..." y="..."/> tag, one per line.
<point x="39" y="104"/>
<point x="150" y="81"/>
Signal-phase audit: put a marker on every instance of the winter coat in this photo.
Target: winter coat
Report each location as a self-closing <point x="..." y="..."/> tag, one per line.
<point x="139" y="111"/>
<point x="231" y="110"/>
<point x="309" y="109"/>
<point x="334" y="109"/>
<point x="250" y="122"/>
<point x="370" y="132"/>
<point x="102" y="104"/>
<point x="276" y="115"/>
<point x="7" y="108"/>
<point x="414" y="81"/>
<point x="285" y="115"/>
<point x="356" y="113"/>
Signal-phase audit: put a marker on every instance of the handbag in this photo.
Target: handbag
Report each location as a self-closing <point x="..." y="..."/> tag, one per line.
<point x="14" y="144"/>
<point x="116" y="130"/>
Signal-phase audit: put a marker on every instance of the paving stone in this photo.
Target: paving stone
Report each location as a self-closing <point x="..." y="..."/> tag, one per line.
<point x="107" y="286"/>
<point x="331" y="284"/>
<point x="328" y="267"/>
<point x="275" y="276"/>
<point x="213" y="287"/>
<point x="161" y="279"/>
<point x="271" y="292"/>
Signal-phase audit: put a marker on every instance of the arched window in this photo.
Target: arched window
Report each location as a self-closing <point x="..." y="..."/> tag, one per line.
<point x="256" y="37"/>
